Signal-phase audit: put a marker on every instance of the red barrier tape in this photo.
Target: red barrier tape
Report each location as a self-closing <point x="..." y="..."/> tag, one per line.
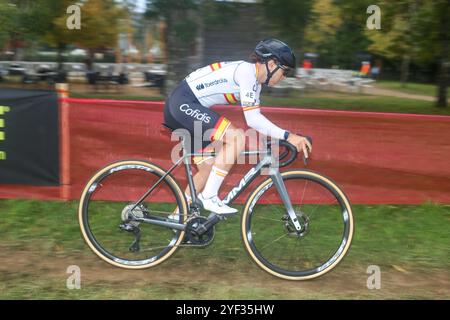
<point x="377" y="158"/>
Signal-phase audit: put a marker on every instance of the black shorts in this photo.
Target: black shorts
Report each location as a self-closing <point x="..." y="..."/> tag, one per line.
<point x="183" y="111"/>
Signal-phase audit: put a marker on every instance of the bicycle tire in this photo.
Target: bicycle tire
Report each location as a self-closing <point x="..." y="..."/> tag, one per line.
<point x="83" y="213"/>
<point x="254" y="250"/>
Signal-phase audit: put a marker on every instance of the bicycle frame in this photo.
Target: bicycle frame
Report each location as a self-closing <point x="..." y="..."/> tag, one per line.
<point x="255" y="171"/>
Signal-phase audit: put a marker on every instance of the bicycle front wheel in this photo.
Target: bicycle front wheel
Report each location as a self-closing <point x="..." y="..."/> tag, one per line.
<point x="106" y="215"/>
<point x="273" y="242"/>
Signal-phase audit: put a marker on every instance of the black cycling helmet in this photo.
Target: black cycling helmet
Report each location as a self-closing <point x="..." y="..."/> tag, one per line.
<point x="276" y="49"/>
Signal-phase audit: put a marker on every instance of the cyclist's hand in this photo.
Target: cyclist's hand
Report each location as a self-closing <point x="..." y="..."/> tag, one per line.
<point x="301" y="143"/>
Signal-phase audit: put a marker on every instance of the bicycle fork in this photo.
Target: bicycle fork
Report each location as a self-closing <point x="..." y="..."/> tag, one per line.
<point x="279" y="184"/>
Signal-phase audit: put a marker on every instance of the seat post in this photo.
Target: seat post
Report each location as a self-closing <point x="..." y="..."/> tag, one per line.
<point x="185" y="146"/>
<point x="187" y="164"/>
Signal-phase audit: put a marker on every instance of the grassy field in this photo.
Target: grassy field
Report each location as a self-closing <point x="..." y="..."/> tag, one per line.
<point x="39" y="240"/>
<point x="412" y="88"/>
<point x="354" y="102"/>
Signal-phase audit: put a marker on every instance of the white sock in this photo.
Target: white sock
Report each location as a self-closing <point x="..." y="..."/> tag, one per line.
<point x="214" y="182"/>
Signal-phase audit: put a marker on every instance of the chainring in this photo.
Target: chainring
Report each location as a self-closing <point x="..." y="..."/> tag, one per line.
<point x="193" y="238"/>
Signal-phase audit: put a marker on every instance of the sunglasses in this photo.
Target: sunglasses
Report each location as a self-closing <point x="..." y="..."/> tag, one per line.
<point x="286" y="70"/>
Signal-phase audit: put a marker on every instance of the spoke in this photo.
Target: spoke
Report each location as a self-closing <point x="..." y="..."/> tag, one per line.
<point x="277" y="239"/>
<point x="280" y="209"/>
<point x="303" y="196"/>
<point x="313" y="211"/>
<point x="269" y="219"/>
<point x="318" y="206"/>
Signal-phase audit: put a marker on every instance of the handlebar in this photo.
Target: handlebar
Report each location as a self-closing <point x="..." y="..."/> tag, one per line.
<point x="290" y="152"/>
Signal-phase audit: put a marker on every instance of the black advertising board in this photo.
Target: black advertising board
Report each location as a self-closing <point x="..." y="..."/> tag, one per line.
<point x="29" y="137"/>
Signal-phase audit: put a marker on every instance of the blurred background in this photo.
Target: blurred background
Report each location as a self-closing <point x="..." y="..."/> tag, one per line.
<point x="141" y="49"/>
<point x="375" y="56"/>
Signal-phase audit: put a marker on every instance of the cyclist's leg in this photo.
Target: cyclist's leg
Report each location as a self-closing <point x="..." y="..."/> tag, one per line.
<point x="204" y="168"/>
<point x="233" y="143"/>
<point x="183" y="111"/>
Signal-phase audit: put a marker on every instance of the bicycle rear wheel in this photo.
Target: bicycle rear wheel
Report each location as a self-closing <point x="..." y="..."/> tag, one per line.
<point x="273" y="242"/>
<point x="105" y="207"/>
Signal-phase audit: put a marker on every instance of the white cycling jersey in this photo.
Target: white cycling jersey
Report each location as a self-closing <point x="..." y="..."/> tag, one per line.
<point x="228" y="83"/>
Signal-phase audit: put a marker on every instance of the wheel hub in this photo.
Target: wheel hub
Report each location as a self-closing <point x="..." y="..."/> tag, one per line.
<point x="290" y="228"/>
<point x="138" y="212"/>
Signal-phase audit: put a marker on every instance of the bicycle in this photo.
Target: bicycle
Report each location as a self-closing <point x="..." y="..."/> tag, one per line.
<point x="296" y="224"/>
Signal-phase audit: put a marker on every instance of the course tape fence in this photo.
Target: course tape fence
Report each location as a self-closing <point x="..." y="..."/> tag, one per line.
<point x="376" y="158"/>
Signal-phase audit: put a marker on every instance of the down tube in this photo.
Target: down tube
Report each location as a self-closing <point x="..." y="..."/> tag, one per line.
<point x="245" y="181"/>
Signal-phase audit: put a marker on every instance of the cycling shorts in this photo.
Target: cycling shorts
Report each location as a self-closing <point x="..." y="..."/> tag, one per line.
<point x="183" y="110"/>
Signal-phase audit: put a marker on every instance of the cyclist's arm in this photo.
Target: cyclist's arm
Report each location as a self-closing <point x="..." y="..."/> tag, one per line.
<point x="250" y="90"/>
<point x="256" y="120"/>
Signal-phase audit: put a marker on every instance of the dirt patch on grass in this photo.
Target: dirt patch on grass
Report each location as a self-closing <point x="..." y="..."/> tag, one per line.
<point x="22" y="271"/>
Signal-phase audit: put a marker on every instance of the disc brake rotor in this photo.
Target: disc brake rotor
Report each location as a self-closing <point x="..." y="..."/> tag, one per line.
<point x="290" y="228"/>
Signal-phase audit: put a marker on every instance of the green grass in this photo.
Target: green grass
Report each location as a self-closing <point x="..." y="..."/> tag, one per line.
<point x="354" y="102"/>
<point x="417" y="235"/>
<point x="410" y="87"/>
<point x="411" y="237"/>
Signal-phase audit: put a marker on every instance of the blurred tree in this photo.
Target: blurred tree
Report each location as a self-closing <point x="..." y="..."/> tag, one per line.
<point x="184" y="23"/>
<point x="99" y="27"/>
<point x="395" y="40"/>
<point x="324" y="21"/>
<point x="443" y="12"/>
<point x="288" y="19"/>
<point x="181" y="26"/>
<point x="432" y="33"/>
<point x="7" y="14"/>
<point x="350" y="41"/>
<point x="336" y="31"/>
<point x="46" y="20"/>
<point x="52" y="33"/>
<point x="415" y="30"/>
<point x="22" y="21"/>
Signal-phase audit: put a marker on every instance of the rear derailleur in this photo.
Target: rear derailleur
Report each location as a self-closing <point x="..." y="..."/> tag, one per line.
<point x="132" y="226"/>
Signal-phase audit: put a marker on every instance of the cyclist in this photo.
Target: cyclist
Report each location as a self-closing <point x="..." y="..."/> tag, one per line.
<point x="227" y="83"/>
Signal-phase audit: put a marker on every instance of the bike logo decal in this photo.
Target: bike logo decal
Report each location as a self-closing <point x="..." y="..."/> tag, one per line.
<point x="335" y="256"/>
<point x="258" y="195"/>
<point x="134" y="263"/>
<point x="130" y="166"/>
<point x="345" y="215"/>
<point x="92" y="188"/>
<point x="241" y="185"/>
